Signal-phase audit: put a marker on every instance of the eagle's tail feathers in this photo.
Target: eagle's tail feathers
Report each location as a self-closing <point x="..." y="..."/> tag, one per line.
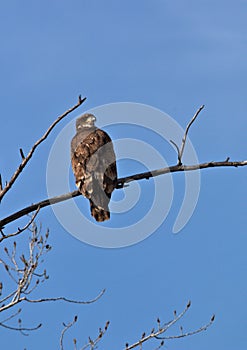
<point x="99" y="213"/>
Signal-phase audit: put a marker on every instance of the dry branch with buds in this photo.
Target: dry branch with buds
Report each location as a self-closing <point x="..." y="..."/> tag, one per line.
<point x="91" y="343"/>
<point x="25" y="275"/>
<point x="159" y="330"/>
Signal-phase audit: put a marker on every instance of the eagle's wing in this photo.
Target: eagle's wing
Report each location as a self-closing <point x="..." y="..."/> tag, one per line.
<point x="94" y="165"/>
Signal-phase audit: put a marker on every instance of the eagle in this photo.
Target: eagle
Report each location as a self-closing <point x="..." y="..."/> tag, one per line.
<point x="93" y="162"/>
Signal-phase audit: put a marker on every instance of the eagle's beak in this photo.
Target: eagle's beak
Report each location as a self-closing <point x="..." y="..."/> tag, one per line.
<point x="92" y="118"/>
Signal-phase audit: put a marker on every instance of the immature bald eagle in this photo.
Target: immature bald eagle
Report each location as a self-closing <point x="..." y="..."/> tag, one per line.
<point x="94" y="165"/>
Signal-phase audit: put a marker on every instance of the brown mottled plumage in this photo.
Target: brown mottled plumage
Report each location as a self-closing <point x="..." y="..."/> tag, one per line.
<point x="94" y="165"/>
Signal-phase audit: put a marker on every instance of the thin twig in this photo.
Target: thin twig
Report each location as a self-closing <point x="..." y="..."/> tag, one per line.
<point x="10" y="295"/>
<point x="162" y="343"/>
<point x="187" y="334"/>
<point x="176" y="146"/>
<point x="11" y="316"/>
<point x="22" y="154"/>
<point x="64" y="299"/>
<point x="8" y="270"/>
<point x="66" y="327"/>
<point x="181" y="151"/>
<point x="26" y="159"/>
<point x="121" y="182"/>
<point x="20" y="329"/>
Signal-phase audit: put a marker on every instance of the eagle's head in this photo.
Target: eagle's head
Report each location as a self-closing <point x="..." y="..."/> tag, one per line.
<point x="85" y="121"/>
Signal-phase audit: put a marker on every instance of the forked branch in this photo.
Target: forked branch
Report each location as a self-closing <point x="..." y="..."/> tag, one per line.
<point x="181" y="150"/>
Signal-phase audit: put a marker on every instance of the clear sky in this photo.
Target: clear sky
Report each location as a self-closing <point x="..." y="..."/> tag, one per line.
<point x="173" y="56"/>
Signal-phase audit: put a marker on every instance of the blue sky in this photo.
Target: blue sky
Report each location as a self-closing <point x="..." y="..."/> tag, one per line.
<point x="174" y="56"/>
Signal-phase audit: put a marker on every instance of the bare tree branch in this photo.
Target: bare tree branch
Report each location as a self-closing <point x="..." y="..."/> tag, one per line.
<point x="177" y="168"/>
<point x="155" y="333"/>
<point x="26" y="159"/>
<point x="120" y="184"/>
<point x="34" y="207"/>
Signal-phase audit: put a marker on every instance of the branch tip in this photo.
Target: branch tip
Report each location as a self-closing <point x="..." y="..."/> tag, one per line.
<point x="22" y="154"/>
